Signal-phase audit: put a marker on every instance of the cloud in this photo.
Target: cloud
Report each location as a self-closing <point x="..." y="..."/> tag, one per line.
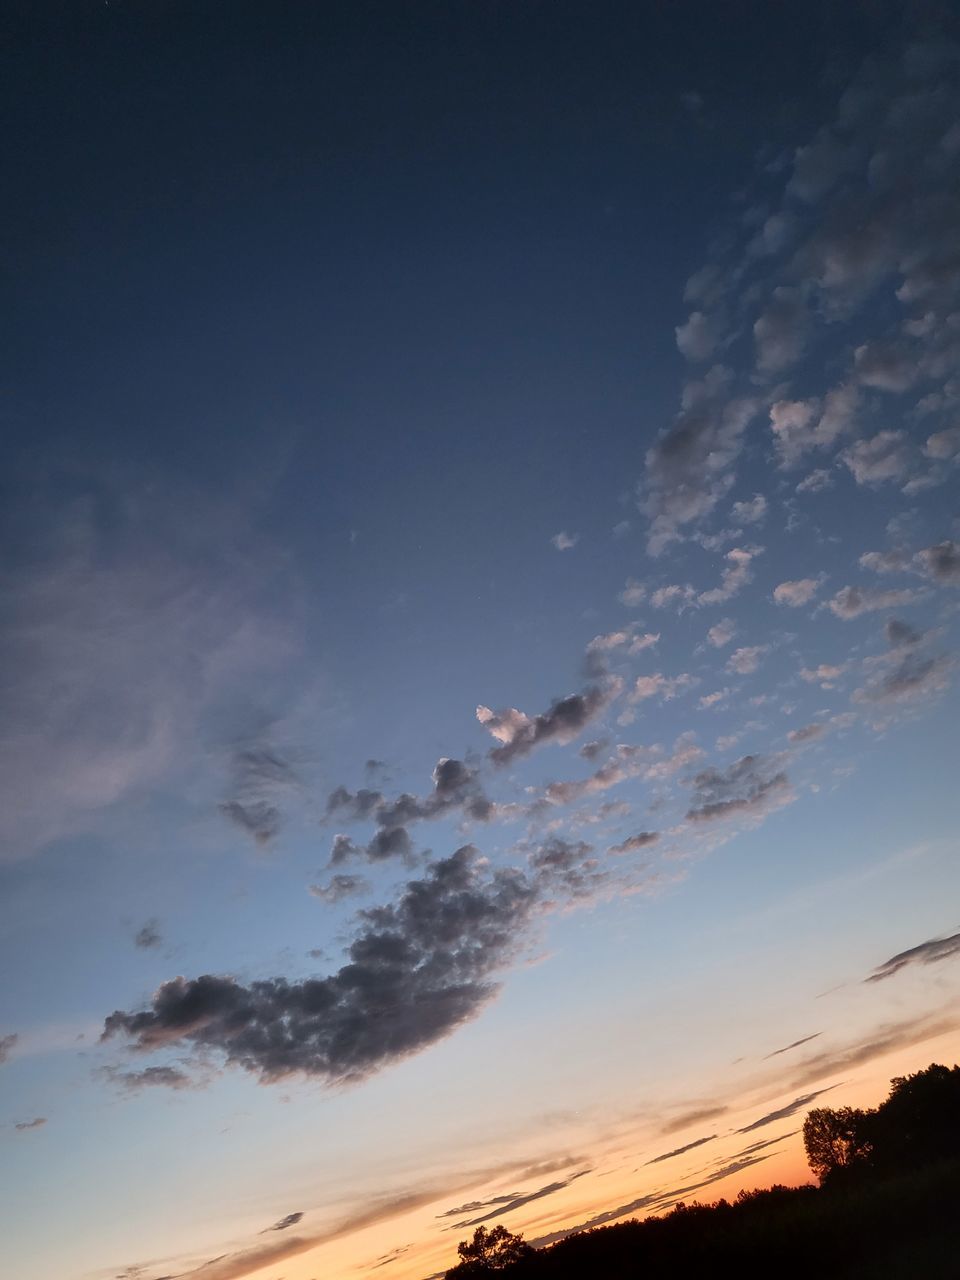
<point x="7" y="1044"/>
<point x="941" y="563"/>
<point x="417" y="970"/>
<point x="800" y="426"/>
<point x="150" y="1077"/>
<point x="504" y="1206"/>
<point x="794" y="1045"/>
<point x="816" y="481"/>
<point x="564" y="541"/>
<point x="22" y="1126"/>
<point x="148" y="935"/>
<point x="783" y="1112"/>
<point x="885" y="366"/>
<point x="633" y="594"/>
<point x="283" y="1224"/>
<point x="851" y="602"/>
<point x="746" y="660"/>
<point x="590" y="750"/>
<point x="699" y="337"/>
<point x="886" y="456"/>
<point x="797" y="592"/>
<point x="943" y="445"/>
<point x="702" y="1115"/>
<point x="809" y="733"/>
<point x="660" y="686"/>
<point x="260" y="779"/>
<point x="677" y="595"/>
<point x="893" y="561"/>
<point x="751" y="512"/>
<point x="900" y="635"/>
<point x="690" y="468"/>
<point x="824" y="675"/>
<point x="734" y="577"/>
<point x="885" y="1039"/>
<point x="715" y="699"/>
<point x="931" y="952"/>
<point x="750" y="785"/>
<point x="722" y="632"/>
<point x="679" y="1151"/>
<point x="519" y="734"/>
<point x="339" y="886"/>
<point x="642" y="840"/>
<point x="911" y="676"/>
<point x="780" y="333"/>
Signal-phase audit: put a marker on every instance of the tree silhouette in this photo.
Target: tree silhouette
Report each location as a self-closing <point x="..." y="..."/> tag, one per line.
<point x="489" y="1251"/>
<point x="835" y="1140"/>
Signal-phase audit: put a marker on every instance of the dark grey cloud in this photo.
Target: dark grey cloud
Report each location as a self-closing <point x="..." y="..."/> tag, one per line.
<point x="259" y="779"/>
<point x="851" y="602"/>
<point x="780" y="332"/>
<point x="149" y="1077"/>
<point x="679" y="1151"/>
<point x="7" y="1043"/>
<point x="37" y="1123"/>
<point x="590" y="750"/>
<point x="339" y="886"/>
<point x="912" y="676"/>
<point x="519" y="734"/>
<point x="290" y="1220"/>
<point x="900" y="635"/>
<point x="767" y="1142"/>
<point x="930" y="952"/>
<point x="502" y="1207"/>
<point x="783" y="1112"/>
<point x="751" y="784"/>
<point x="642" y="840"/>
<point x="416" y="970"/>
<point x="566" y="868"/>
<point x="941" y="562"/>
<point x="700" y="1115"/>
<point x="148" y="935"/>
<point x="807" y="733"/>
<point x="794" y="1045"/>
<point x="456" y="785"/>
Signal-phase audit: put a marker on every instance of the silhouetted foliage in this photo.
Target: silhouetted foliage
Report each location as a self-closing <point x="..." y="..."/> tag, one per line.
<point x="886" y="1212"/>
<point x="489" y="1251"/>
<point x="918" y="1124"/>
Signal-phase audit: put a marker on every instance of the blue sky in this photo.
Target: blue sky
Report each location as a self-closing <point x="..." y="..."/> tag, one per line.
<point x="479" y="670"/>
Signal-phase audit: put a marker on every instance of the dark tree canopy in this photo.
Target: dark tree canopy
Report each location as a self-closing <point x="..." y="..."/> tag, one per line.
<point x="489" y="1251"/>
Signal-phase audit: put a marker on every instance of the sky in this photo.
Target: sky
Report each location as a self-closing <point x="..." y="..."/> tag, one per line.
<point x="481" y="566"/>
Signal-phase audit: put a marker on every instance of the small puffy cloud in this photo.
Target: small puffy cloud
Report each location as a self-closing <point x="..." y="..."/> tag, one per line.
<point x="642" y="840"/>
<point x="751" y="512"/>
<point x="941" y="563"/>
<point x="633" y="594"/>
<point x="590" y="750"/>
<point x="885" y="456"/>
<point x="796" y="592"/>
<point x="893" y="561"/>
<point x="722" y="632"/>
<point x="884" y="366"/>
<point x="698" y="338"/>
<point x="148" y="935"/>
<point x="660" y="686"/>
<point x="809" y="733"/>
<point x="745" y="661"/>
<point x="715" y="699"/>
<point x="816" y="481"/>
<point x="339" y="886"/>
<point x="23" y="1126"/>
<point x="675" y="596"/>
<point x="931" y="952"/>
<point x="735" y="576"/>
<point x="900" y="635"/>
<point x="566" y="718"/>
<point x="752" y="785"/>
<point x="943" y="445"/>
<point x="564" y="541"/>
<point x="7" y="1044"/>
<point x="851" y="602"/>
<point x="149" y="1078"/>
<point x="780" y="333"/>
<point x="646" y="640"/>
<point x="800" y="426"/>
<point x="824" y="675"/>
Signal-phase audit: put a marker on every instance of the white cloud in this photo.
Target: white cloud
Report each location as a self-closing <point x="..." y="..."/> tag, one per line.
<point x="751" y="512"/>
<point x="734" y="577"/>
<point x="745" y="661"/>
<point x="633" y="594"/>
<point x="886" y="456"/>
<point x="660" y="686"/>
<point x="797" y="592"/>
<point x="564" y="541"/>
<point x="722" y="633"/>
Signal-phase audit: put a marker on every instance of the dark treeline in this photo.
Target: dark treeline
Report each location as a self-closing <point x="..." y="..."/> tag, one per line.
<point x="887" y="1208"/>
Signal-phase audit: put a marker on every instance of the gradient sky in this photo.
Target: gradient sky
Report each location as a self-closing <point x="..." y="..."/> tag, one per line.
<point x="481" y="556"/>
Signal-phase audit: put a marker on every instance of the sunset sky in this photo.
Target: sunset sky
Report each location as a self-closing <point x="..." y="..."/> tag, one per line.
<point x="481" y="568"/>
